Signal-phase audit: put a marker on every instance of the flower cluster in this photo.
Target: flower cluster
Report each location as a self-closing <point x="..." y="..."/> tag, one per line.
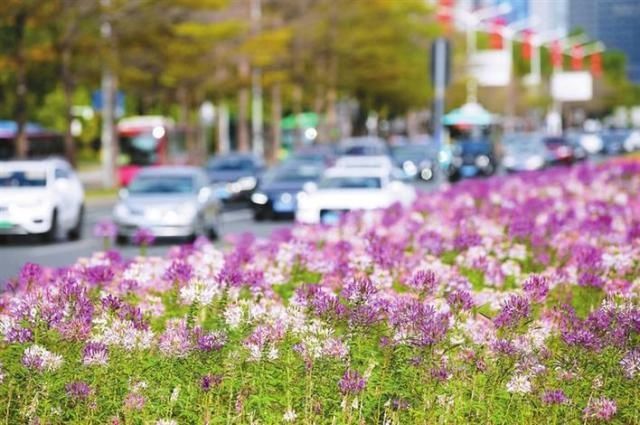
<point x="520" y="288"/>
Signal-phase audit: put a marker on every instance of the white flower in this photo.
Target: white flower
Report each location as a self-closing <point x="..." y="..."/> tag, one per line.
<point x="233" y="316"/>
<point x="1" y="373"/>
<point x="41" y="358"/>
<point x="290" y="415"/>
<point x="174" y="395"/>
<point x="444" y="400"/>
<point x="166" y="422"/>
<point x="519" y="384"/>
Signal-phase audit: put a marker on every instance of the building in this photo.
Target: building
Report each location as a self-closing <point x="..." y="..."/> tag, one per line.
<point x="615" y="23"/>
<point x="551" y="15"/>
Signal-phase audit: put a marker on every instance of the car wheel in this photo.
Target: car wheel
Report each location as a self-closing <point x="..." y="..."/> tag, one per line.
<point x="212" y="233"/>
<point x="122" y="240"/>
<point x="76" y="232"/>
<point x="51" y="235"/>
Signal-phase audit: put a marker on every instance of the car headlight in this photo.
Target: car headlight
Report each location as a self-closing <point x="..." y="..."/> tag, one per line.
<point x="259" y="198"/>
<point x="121" y="210"/>
<point x="246" y="183"/>
<point x="482" y="161"/>
<point x="410" y="168"/>
<point x="534" y="162"/>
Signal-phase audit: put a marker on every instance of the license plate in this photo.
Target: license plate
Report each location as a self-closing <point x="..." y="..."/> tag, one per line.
<point x="279" y="206"/>
<point x="4" y="224"/>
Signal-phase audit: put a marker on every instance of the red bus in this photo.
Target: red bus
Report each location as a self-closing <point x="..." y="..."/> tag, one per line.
<point x="148" y="140"/>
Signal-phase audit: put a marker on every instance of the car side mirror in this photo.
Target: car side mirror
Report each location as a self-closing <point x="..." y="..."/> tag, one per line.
<point x="310" y="187"/>
<point x="123" y="193"/>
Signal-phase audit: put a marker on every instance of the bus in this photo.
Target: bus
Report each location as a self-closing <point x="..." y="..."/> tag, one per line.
<point x="42" y="142"/>
<point x="148" y="140"/>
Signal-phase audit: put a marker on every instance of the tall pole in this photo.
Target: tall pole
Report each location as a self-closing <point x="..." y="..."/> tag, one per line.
<point x="107" y="92"/>
<point x="439" y="80"/>
<point x="472" y="84"/>
<point x="257" y="128"/>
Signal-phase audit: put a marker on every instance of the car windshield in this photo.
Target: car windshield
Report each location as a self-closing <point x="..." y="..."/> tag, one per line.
<point x="555" y="141"/>
<point x="138" y="149"/>
<point x="410" y="152"/>
<point x="147" y="185"/>
<point x="522" y="143"/>
<point x="231" y="164"/>
<point x="23" y="178"/>
<point x="355" y="182"/>
<point x="300" y="173"/>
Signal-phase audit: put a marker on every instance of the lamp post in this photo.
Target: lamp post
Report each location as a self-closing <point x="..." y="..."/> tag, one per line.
<point x="107" y="93"/>
<point x="472" y="22"/>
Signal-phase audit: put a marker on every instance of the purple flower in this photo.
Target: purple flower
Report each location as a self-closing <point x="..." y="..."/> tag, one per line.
<point x="105" y="229"/>
<point x="536" y="288"/>
<point x="514" y="310"/>
<point x="601" y="408"/>
<point x="95" y="353"/>
<point x="134" y="401"/>
<point x="212" y="341"/>
<point x="208" y="381"/>
<point x="78" y="390"/>
<point x="143" y="237"/>
<point x="98" y="275"/>
<point x="630" y="363"/>
<point x="351" y="383"/>
<point x="179" y="271"/>
<point x="424" y="281"/>
<point x="460" y="300"/>
<point x="18" y="334"/>
<point x="554" y="397"/>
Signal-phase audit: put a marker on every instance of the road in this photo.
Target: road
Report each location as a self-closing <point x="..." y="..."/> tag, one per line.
<point x="16" y="251"/>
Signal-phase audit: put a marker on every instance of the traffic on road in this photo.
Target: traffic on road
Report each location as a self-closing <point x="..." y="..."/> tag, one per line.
<point x="44" y="215"/>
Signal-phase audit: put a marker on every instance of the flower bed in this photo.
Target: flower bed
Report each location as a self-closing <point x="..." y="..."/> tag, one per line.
<point x="507" y="300"/>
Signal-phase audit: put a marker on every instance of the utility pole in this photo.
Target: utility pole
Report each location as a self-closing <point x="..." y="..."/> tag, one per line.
<point x="257" y="127"/>
<point x="107" y="92"/>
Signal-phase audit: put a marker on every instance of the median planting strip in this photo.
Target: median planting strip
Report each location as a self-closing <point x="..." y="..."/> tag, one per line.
<point x="503" y="300"/>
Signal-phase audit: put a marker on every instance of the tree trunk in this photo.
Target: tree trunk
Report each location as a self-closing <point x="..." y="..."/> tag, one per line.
<point x="20" y="111"/>
<point x="67" y="88"/>
<point x="276" y="118"/>
<point x="297" y="110"/>
<point x="243" y="110"/>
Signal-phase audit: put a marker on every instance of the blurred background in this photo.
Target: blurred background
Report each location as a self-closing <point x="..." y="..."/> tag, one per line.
<point x="258" y="92"/>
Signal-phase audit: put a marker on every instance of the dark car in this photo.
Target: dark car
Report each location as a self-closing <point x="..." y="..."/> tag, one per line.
<point x="277" y="192"/>
<point x="316" y="154"/>
<point x="471" y="158"/>
<point x="234" y="176"/>
<point x="417" y="160"/>
<point x="559" y="150"/>
<point x="363" y="146"/>
<point x="613" y="141"/>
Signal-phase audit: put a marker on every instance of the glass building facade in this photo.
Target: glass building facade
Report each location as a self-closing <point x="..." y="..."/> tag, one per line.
<point x="614" y="22"/>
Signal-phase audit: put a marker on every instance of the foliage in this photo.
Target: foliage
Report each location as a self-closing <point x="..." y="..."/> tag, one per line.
<point x="496" y="301"/>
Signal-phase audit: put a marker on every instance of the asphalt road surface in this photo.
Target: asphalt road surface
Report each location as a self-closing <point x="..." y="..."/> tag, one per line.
<point x="18" y="250"/>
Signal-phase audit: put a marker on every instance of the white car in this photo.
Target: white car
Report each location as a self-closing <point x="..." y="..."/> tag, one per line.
<point x="347" y="189"/>
<point x="592" y="143"/>
<point x="363" y="161"/>
<point x="41" y="197"/>
<point x="169" y="201"/>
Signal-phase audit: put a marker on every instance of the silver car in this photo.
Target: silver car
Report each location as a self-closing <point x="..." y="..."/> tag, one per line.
<point x="169" y="201"/>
